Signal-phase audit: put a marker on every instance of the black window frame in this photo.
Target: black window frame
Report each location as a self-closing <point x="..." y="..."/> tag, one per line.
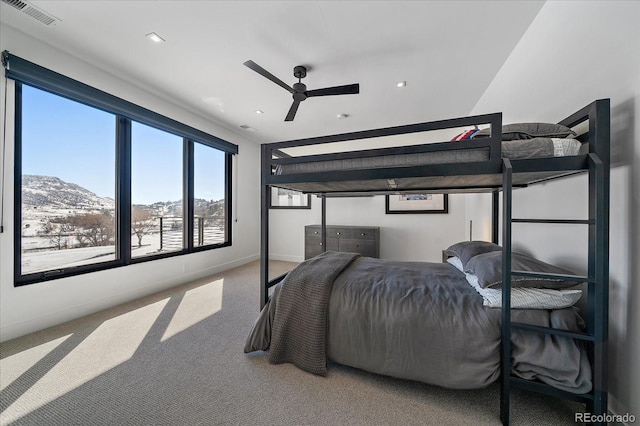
<point x="122" y="191"/>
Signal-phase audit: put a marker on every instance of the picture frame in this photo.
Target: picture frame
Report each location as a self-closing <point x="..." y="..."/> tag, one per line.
<point x="280" y="198"/>
<point x="416" y="203"/>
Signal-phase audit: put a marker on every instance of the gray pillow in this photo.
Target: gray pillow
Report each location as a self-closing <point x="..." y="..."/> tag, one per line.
<point x="517" y="131"/>
<point x="465" y="250"/>
<point x="488" y="268"/>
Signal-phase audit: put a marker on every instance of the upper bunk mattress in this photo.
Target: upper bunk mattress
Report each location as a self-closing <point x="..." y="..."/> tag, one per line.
<point x="513" y="149"/>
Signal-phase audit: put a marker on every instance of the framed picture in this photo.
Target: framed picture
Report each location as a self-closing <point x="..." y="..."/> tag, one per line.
<point x="287" y="199"/>
<point x="416" y="203"/>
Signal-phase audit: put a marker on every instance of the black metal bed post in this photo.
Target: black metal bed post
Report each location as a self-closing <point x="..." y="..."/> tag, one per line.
<point x="323" y="221"/>
<point x="264" y="227"/>
<point x="598" y="293"/>
<point x="495" y="214"/>
<point x="598" y="288"/>
<point x="505" y="340"/>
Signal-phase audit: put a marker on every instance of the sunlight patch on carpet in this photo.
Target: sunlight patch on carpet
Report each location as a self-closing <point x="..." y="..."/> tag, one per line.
<point x="196" y="305"/>
<point x="12" y="367"/>
<point x="112" y="343"/>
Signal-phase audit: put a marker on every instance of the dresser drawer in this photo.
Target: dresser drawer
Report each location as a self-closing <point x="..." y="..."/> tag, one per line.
<point x="313" y="246"/>
<point x="312" y="251"/>
<point x="364" y="234"/>
<point x="364" y="247"/>
<point x="338" y="232"/>
<point x="313" y="231"/>
<point x="332" y="243"/>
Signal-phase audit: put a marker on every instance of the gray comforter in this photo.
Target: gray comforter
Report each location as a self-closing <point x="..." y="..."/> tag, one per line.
<point x="422" y="321"/>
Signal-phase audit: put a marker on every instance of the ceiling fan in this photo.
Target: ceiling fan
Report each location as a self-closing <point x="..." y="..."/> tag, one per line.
<point x="299" y="89"/>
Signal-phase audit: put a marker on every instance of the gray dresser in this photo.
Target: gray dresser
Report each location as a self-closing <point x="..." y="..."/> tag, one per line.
<point x="356" y="239"/>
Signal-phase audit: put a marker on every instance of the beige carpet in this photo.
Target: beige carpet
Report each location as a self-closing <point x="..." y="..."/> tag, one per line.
<point x="175" y="358"/>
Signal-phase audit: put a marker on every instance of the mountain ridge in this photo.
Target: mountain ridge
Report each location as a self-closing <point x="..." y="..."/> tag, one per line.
<point x="41" y="191"/>
<point x="50" y="192"/>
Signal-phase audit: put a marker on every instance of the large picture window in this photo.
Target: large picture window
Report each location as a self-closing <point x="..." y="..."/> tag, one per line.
<point x="103" y="183"/>
<point x="67" y="183"/>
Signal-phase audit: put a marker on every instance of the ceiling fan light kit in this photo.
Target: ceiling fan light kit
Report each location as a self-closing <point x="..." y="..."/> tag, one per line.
<point x="299" y="90"/>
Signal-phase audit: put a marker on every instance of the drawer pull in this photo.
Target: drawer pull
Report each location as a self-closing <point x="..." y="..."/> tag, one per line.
<point x="362" y="234"/>
<point x="315" y="232"/>
<point x="337" y="233"/>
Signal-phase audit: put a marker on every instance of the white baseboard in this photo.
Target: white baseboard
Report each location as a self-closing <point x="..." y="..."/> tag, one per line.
<point x="617" y="409"/>
<point x="225" y="266"/>
<point x="286" y="258"/>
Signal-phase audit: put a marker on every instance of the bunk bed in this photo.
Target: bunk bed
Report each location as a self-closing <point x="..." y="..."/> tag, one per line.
<point x="486" y="164"/>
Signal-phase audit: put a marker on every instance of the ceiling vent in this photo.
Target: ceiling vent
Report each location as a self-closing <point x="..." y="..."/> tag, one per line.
<point x="32" y="11"/>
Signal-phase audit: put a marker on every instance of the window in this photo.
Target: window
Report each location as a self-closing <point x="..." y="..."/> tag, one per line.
<point x="210" y="212"/>
<point x="103" y="183"/>
<point x="157" y="211"/>
<point x="67" y="183"/>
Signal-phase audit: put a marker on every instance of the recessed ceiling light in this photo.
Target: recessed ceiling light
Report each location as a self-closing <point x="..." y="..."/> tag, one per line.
<point x="342" y="116"/>
<point x="401" y="84"/>
<point x="259" y="111"/>
<point x="155" y="37"/>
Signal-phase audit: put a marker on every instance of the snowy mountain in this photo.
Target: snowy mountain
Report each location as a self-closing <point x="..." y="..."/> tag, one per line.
<point x="53" y="192"/>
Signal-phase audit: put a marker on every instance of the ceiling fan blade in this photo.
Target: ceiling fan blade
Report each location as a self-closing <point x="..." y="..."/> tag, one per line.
<point x="349" y="89"/>
<point x="257" y="68"/>
<point x="292" y="110"/>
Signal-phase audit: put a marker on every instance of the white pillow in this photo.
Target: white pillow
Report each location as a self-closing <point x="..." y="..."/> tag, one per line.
<point x="455" y="261"/>
<point x="565" y="147"/>
<point x="526" y="297"/>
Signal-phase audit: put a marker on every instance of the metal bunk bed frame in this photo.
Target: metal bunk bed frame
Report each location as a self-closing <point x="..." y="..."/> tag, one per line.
<point x="511" y="174"/>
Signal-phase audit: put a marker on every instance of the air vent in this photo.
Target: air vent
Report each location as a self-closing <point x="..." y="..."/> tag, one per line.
<point x="15" y="3"/>
<point x="32" y="11"/>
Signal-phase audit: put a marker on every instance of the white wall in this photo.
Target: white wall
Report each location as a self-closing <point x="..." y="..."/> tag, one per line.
<point x="573" y="53"/>
<point x="419" y="237"/>
<point x="33" y="307"/>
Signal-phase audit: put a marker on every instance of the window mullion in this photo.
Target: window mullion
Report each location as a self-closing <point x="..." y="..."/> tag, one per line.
<point x="123" y="189"/>
<point x="188" y="191"/>
<point x="17" y="184"/>
<point x="228" y="206"/>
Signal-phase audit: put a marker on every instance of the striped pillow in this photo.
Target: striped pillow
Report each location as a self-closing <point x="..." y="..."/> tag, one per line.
<point x="467" y="134"/>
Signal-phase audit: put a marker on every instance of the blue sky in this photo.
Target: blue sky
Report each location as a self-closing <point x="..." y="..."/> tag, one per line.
<point x="76" y="143"/>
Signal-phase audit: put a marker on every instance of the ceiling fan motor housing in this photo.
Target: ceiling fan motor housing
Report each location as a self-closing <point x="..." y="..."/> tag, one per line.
<point x="299" y="71"/>
<point x="300" y="89"/>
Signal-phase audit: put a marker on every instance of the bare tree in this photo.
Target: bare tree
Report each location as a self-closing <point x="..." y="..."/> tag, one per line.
<point x="94" y="229"/>
<point x="56" y="233"/>
<point x="142" y="222"/>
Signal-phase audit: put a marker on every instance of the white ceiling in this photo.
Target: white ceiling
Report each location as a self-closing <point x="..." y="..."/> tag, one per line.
<point x="447" y="51"/>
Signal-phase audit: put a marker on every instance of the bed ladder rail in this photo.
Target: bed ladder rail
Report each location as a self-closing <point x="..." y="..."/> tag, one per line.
<point x="545" y="389"/>
<point x="595" y="336"/>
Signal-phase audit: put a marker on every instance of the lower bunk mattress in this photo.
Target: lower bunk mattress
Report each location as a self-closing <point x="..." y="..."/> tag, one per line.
<point x="411" y="320"/>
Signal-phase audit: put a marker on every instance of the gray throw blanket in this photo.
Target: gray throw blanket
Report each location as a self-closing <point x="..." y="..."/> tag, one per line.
<point x="295" y="330"/>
